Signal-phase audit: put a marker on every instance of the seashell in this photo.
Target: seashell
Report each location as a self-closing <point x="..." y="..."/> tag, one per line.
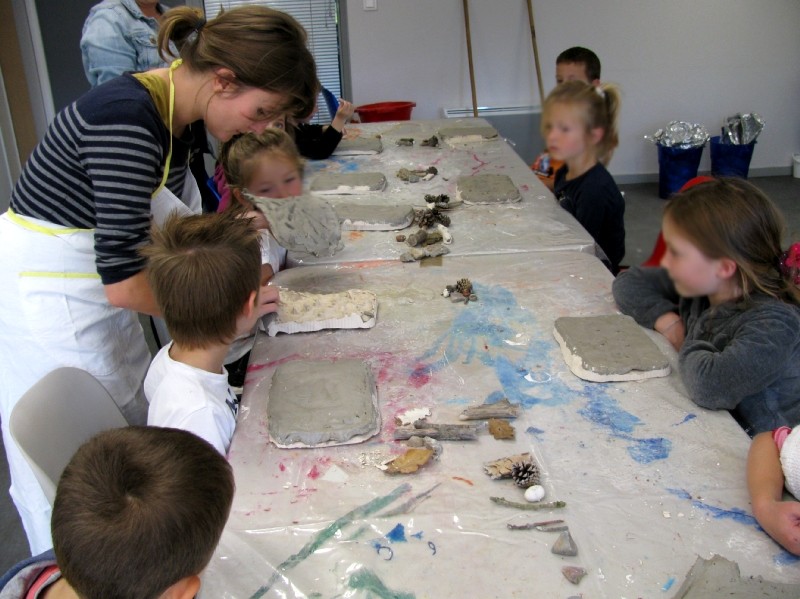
<point x="534" y="493"/>
<point x="564" y="545"/>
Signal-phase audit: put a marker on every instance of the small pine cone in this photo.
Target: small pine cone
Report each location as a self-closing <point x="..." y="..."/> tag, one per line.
<point x="525" y="474"/>
<point x="442" y="218"/>
<point x="464" y="287"/>
<point x="426" y="219"/>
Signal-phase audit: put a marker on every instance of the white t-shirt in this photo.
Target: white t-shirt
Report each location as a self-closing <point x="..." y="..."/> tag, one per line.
<point x="195" y="400"/>
<point x="271" y="251"/>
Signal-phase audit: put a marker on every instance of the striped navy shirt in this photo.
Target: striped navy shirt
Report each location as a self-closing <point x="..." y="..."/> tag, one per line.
<point x="97" y="168"/>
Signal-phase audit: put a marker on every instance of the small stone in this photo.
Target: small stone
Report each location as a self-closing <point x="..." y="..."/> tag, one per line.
<point x="400" y="238"/>
<point x="564" y="545"/>
<point x="573" y="573"/>
<point x="534" y="493"/>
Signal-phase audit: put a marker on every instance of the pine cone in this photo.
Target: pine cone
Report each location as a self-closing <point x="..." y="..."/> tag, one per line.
<point x="464" y="287"/>
<point x="525" y="474"/>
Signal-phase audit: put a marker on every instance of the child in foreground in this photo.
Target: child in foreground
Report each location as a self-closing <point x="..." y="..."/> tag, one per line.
<point x="579" y="124"/>
<point x="774" y="461"/>
<point x="727" y="299"/>
<point x="138" y="514"/>
<point x="205" y="272"/>
<point x="572" y="64"/>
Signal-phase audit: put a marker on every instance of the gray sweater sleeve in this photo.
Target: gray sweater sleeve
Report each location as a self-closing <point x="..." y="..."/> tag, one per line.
<point x="754" y="354"/>
<point x="645" y="293"/>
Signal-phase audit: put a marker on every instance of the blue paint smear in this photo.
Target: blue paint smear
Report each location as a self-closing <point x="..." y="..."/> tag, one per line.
<point x="782" y="558"/>
<point x="668" y="585"/>
<point x="479" y="332"/>
<point x="417" y="535"/>
<point x="532" y="430"/>
<point x="397" y="534"/>
<point x="688" y="417"/>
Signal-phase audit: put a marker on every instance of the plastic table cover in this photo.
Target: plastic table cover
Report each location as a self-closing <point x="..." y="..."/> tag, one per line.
<point x="536" y="223"/>
<point x="650" y="480"/>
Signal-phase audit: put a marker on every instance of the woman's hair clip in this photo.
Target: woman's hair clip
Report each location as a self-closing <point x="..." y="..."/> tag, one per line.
<point x="600" y="91"/>
<point x="790" y="263"/>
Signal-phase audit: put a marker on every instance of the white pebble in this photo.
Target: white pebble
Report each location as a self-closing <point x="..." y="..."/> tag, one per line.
<point x="446" y="293"/>
<point x="534" y="493"/>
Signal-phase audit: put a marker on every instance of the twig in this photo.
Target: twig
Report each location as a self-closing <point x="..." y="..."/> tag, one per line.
<point x="536" y="525"/>
<point x="528" y="506"/>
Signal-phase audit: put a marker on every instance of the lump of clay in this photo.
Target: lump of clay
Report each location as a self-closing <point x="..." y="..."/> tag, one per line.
<point x="609" y="348"/>
<point x="302" y="224"/>
<point x="374" y="217"/>
<point x="300" y="312"/>
<point x="465" y="135"/>
<point x="487" y="189"/>
<point x="359" y="146"/>
<point x="347" y="183"/>
<point x="316" y="404"/>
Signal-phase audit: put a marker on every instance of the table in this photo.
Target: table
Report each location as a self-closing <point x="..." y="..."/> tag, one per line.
<point x="651" y="481"/>
<point x="536" y="223"/>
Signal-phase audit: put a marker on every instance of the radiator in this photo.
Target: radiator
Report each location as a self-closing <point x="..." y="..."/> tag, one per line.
<point x="518" y="124"/>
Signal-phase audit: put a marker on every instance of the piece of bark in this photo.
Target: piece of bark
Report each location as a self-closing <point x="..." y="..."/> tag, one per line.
<point x="501" y="429"/>
<point x="499" y="409"/>
<point x="411" y="461"/>
<point x="501" y="468"/>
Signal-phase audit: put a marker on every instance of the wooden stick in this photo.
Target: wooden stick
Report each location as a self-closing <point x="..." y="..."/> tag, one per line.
<point x="442" y="432"/>
<point x="499" y="409"/>
<point x="535" y="52"/>
<point x="529" y="506"/>
<point x="469" y="58"/>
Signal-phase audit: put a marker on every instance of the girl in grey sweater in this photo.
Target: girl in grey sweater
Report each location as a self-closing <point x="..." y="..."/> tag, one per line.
<point x="728" y="300"/>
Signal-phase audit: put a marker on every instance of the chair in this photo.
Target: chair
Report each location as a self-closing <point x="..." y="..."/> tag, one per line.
<point x="56" y="416"/>
<point x="661" y="247"/>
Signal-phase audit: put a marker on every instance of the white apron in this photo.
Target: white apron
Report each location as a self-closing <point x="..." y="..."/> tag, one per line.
<point x="54" y="312"/>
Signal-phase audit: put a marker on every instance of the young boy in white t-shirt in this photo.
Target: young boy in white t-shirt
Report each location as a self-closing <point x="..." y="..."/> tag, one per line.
<point x="205" y="273"/>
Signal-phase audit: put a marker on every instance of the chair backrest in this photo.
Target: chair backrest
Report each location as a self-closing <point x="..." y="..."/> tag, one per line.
<point x="660" y="247"/>
<point x="56" y="416"/>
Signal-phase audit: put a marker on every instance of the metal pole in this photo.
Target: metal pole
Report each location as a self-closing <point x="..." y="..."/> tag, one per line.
<point x="469" y="57"/>
<point x="535" y="52"/>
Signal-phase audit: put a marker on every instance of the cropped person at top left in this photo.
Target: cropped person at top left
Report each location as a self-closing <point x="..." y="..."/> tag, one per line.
<point x="111" y="163"/>
<point x="121" y="36"/>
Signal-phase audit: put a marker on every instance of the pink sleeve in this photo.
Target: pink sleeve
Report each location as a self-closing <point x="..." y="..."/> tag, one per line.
<point x="222" y="188"/>
<point x="779" y="435"/>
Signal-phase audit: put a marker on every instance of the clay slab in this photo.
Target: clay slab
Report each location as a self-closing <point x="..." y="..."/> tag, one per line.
<point x="302" y="224"/>
<point x="317" y="404"/>
<point x="465" y="135"/>
<point x="359" y="146"/>
<point x="374" y="217"/>
<point x="300" y="312"/>
<point x="487" y="189"/>
<point x="347" y="183"/>
<point x="609" y="348"/>
<point x="719" y="577"/>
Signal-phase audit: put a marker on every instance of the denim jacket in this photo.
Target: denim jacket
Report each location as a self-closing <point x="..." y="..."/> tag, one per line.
<point x="118" y="38"/>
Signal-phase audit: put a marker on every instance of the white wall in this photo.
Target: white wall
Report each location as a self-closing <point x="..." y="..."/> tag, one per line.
<point x="694" y="60"/>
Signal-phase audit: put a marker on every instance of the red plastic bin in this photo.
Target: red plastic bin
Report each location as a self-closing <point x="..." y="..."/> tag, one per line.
<point x="385" y="111"/>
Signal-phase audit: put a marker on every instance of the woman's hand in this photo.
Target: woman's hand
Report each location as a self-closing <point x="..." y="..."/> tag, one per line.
<point x="672" y="327"/>
<point x="259" y="220"/>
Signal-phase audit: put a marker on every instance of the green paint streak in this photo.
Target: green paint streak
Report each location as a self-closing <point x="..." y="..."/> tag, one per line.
<point x="328" y="532"/>
<point x="368" y="581"/>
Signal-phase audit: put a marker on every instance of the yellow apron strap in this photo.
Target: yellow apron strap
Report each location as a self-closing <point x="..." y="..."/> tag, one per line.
<point x="175" y="64"/>
<point x="25" y="223"/>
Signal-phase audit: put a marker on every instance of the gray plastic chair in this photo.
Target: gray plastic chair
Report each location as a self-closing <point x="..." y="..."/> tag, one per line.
<point x="56" y="416"/>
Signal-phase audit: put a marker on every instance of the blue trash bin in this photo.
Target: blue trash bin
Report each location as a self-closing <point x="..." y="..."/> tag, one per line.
<point x="675" y="167"/>
<point x="730" y="160"/>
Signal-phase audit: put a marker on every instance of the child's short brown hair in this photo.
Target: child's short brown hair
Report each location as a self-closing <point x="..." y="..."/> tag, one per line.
<point x="137" y="509"/>
<point x="584" y="56"/>
<point x="202" y="269"/>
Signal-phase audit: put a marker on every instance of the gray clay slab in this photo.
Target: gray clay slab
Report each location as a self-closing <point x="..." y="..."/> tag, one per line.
<point x="719" y="577"/>
<point x="358" y="146"/>
<point x="347" y="183"/>
<point x="609" y="348"/>
<point x="374" y="217"/>
<point x="302" y="224"/>
<point x="487" y="189"/>
<point x="316" y="403"/>
<point x="467" y="134"/>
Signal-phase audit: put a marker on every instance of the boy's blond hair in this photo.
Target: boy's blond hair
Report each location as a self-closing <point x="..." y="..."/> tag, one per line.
<point x="138" y="509"/>
<point x="203" y="269"/>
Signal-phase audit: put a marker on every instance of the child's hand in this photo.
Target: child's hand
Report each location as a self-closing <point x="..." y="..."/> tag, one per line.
<point x="781" y="521"/>
<point x="343" y="114"/>
<point x="268" y="300"/>
<point x="672" y="327"/>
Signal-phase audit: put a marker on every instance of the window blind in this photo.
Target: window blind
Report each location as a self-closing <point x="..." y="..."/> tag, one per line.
<point x="320" y="18"/>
